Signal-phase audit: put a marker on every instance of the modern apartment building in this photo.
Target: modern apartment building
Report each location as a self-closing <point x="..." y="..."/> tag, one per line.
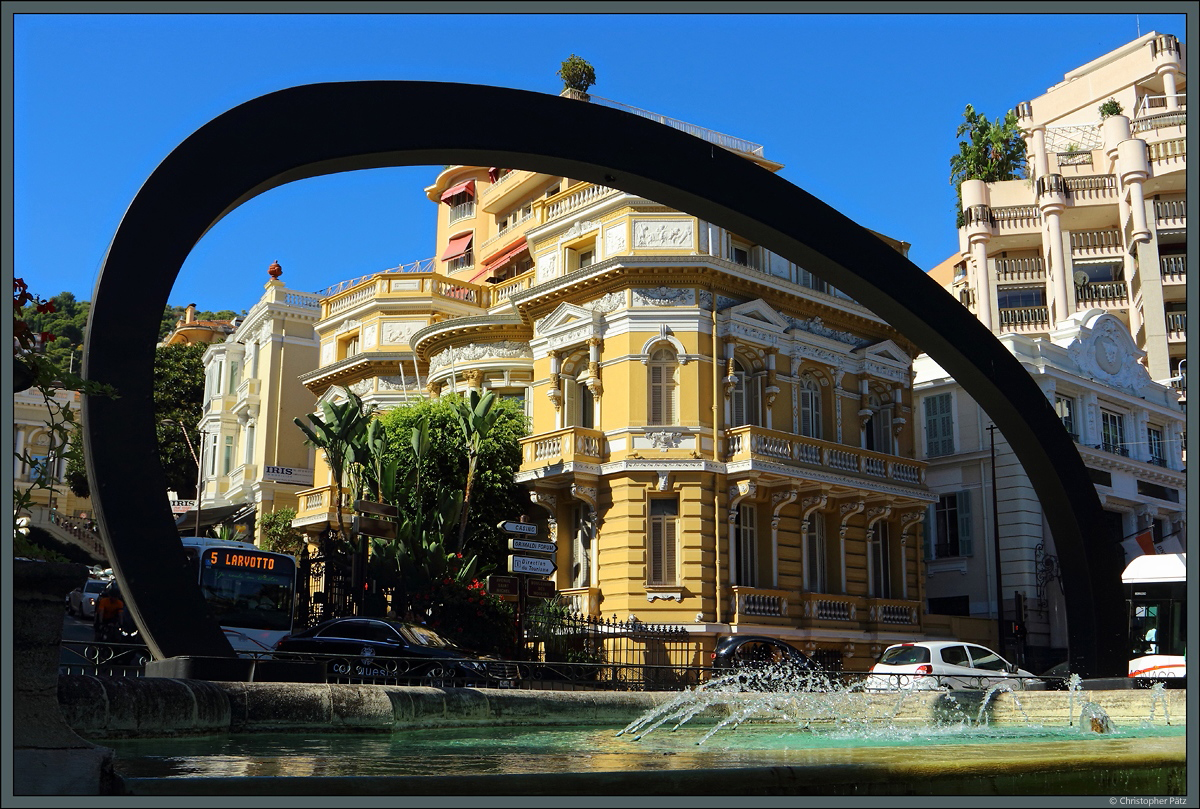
<point x="719" y="440"/>
<point x="1128" y="430"/>
<point x="253" y="459"/>
<point x="1101" y="220"/>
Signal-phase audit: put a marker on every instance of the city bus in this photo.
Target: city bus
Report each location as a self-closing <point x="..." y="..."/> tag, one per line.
<point x="250" y="592"/>
<point x="1156" y="592"/>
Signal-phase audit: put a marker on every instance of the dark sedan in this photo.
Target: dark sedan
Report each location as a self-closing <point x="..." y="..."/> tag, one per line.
<point x="381" y="649"/>
<point x="763" y="663"/>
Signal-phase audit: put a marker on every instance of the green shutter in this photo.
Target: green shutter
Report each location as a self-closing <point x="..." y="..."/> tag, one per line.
<point x="964" y="523"/>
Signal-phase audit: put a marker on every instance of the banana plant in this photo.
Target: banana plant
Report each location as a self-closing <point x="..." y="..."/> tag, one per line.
<point x="476" y="416"/>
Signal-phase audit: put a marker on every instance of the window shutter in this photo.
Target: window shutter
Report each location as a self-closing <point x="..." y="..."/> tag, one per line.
<point x="939" y="425"/>
<point x="668" y="574"/>
<point x="964" y="523"/>
<point x="668" y="398"/>
<point x="929" y="530"/>
<point x="753" y="410"/>
<point x="739" y="400"/>
<point x="656" y="394"/>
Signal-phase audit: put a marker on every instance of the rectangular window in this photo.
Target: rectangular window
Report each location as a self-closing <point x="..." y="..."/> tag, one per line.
<point x="662" y="388"/>
<point x="1112" y="433"/>
<point x="949" y="532"/>
<point x="815" y="566"/>
<point x="1065" y="408"/>
<point x="747" y="556"/>
<point x="1020" y="297"/>
<point x="227" y="463"/>
<point x="739" y="253"/>
<point x="880" y="560"/>
<point x="664" y="516"/>
<point x="235" y="377"/>
<point x="1154" y="437"/>
<point x="939" y="425"/>
<point x="581" y="545"/>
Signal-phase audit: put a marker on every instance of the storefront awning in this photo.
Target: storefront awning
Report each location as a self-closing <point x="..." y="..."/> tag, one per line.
<point x="468" y="187"/>
<point x="458" y="246"/>
<point x="212" y="516"/>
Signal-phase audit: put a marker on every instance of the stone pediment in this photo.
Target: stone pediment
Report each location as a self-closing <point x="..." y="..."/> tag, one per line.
<point x="1104" y="351"/>
<point x="759" y="313"/>
<point x="886" y="351"/>
<point x="567" y="315"/>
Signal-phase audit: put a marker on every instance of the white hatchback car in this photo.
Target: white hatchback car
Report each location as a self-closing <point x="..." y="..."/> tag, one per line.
<point x="943" y="665"/>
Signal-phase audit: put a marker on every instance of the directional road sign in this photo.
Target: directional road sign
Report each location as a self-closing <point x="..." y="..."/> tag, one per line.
<point x="524" y="528"/>
<point x="503" y="585"/>
<point x="530" y="546"/>
<point x="531" y="564"/>
<point x="540" y="588"/>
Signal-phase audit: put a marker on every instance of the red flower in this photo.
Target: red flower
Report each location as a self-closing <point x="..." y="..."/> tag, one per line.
<point x="46" y="308"/>
<point x="48" y="337"/>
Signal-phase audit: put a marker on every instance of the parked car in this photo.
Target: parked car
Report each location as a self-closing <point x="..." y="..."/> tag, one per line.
<point x="378" y="648"/>
<point x="763" y="663"/>
<point x="82" y="600"/>
<point x="944" y="665"/>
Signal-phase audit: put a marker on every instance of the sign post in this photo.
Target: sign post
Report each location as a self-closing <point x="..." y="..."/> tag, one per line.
<point x="523" y="540"/>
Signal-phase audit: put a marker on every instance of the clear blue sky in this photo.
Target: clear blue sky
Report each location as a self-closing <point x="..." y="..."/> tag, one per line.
<point x="860" y="108"/>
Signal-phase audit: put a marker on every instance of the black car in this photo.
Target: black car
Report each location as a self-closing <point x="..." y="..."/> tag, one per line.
<point x="380" y="649"/>
<point x="763" y="663"/>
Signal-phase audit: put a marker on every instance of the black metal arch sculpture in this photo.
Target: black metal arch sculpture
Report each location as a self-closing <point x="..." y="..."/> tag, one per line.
<point x="326" y="128"/>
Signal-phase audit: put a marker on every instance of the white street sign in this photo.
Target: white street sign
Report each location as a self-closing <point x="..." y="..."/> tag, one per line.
<point x="528" y="529"/>
<point x="529" y="546"/>
<point x="531" y="564"/>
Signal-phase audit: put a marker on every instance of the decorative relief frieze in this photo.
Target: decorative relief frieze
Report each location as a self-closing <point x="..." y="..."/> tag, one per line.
<point x="368" y="336"/>
<point x="579" y="228"/>
<point x="665" y="439"/>
<point x="507" y="349"/>
<point x="1107" y="354"/>
<point x="609" y="303"/>
<point x="664" y="296"/>
<point x="663" y="233"/>
<point x="327" y="355"/>
<point x="398" y="383"/>
<point x="614" y="240"/>
<point x="405" y="285"/>
<point x="547" y="268"/>
<point x="362" y="386"/>
<point x="349" y="325"/>
<point x="399" y="331"/>
<point x="705" y="299"/>
<point x="724" y="302"/>
<point x="814" y="325"/>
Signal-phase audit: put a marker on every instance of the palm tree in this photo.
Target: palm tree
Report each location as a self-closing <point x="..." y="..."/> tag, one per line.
<point x="992" y="151"/>
<point x="337" y="434"/>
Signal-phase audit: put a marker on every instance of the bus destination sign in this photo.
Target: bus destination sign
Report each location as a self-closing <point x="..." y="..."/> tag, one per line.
<point x="241" y="559"/>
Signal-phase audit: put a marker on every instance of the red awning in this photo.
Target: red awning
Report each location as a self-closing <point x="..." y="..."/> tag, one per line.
<point x="458" y="245"/>
<point x="468" y="187"/>
<point x="493" y="173"/>
<point x="510" y="252"/>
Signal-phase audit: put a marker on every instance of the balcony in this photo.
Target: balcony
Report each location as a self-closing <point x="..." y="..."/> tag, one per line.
<point x="568" y="202"/>
<point x="314" y="506"/>
<point x="1176" y="327"/>
<point x="423" y="265"/>
<point x="1009" y="270"/>
<point x="818" y="609"/>
<point x="1173" y="269"/>
<point x="1111" y="295"/>
<point x="892" y="613"/>
<point x="243" y="476"/>
<point x="1091" y="188"/>
<point x="749" y="443"/>
<point x="414" y="283"/>
<point x="1168" y="154"/>
<point x="247" y="397"/>
<point x="509" y="287"/>
<point x="563" y="446"/>
<point x="1017" y="219"/>
<point x="464" y="210"/>
<point x="1025" y="319"/>
<point x="582" y="600"/>
<point x="1153" y="122"/>
<point x="1096" y="244"/>
<point x="1170" y="214"/>
<point x="751" y="605"/>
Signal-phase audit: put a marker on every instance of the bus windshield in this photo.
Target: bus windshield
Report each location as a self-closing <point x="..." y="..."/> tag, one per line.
<point x="248" y="589"/>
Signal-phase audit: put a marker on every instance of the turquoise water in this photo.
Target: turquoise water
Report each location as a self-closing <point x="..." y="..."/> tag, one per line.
<point x="502" y="750"/>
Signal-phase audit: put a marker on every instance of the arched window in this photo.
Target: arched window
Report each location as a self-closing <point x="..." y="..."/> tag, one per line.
<point x="810" y="407"/>
<point x="816" y="575"/>
<point x="745" y="401"/>
<point x="578" y="402"/>
<point x="663" y="367"/>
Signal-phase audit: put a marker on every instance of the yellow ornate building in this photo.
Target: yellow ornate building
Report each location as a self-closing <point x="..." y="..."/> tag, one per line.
<point x="719" y="440"/>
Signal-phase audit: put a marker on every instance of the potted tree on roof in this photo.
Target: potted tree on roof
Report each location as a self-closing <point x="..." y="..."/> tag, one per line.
<point x="577" y="75"/>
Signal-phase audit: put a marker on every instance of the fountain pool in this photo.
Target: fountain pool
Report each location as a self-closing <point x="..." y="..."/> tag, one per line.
<point x="276" y="739"/>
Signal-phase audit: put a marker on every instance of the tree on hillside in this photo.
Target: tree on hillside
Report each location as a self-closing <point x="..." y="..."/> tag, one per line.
<point x="992" y="151"/>
<point x="66" y="319"/>
<point x="178" y="397"/>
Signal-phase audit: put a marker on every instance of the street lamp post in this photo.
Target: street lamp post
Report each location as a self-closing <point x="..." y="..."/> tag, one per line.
<point x="197" y="458"/>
